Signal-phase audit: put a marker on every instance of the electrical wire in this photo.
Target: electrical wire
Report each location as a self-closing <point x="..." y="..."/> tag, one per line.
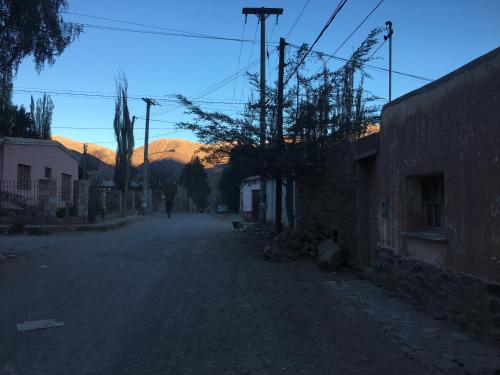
<point x="106" y="128"/>
<point x="297" y="19"/>
<point x="328" y="23"/>
<point x="408" y="75"/>
<point x="239" y="59"/>
<point x="109" y="96"/>
<point x="351" y="34"/>
<point x="267" y="53"/>
<point x="250" y="58"/>
<point x="161" y="33"/>
<point x="374" y="52"/>
<point x="132" y="23"/>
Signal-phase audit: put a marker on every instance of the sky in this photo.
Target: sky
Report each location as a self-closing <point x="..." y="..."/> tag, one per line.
<point x="431" y="38"/>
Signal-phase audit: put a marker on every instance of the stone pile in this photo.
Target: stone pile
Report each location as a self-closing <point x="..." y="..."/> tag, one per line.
<point x="290" y="245"/>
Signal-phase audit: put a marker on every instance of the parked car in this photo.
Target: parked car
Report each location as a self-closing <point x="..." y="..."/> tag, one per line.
<point x="222" y="209"/>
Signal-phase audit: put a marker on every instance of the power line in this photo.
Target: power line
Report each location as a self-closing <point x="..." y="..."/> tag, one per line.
<point x="132" y="23"/>
<point x="297" y="19"/>
<point x="214" y="87"/>
<point x="156" y="120"/>
<point x="267" y="52"/>
<point x="250" y="58"/>
<point x="330" y="20"/>
<point x="239" y="59"/>
<point x="380" y="46"/>
<point x="163" y="33"/>
<point x="136" y="139"/>
<point x="109" y="96"/>
<point x="102" y="128"/>
<point x="351" y="34"/>
<point x="408" y="75"/>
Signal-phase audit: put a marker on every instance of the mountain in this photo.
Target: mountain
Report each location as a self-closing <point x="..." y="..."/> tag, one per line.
<point x="104" y="154"/>
<point x="164" y="154"/>
<point x="179" y="150"/>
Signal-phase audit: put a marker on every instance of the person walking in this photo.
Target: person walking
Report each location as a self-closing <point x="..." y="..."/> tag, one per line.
<point x="168" y="206"/>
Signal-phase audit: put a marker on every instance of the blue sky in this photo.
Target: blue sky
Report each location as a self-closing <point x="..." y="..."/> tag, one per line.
<point x="431" y="38"/>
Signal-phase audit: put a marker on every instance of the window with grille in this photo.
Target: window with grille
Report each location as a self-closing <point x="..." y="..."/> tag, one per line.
<point x="48" y="172"/>
<point x="66" y="187"/>
<point x="432" y="197"/>
<point x="23" y="177"/>
<point x="425" y="202"/>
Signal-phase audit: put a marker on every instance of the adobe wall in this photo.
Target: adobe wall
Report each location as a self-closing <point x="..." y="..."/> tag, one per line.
<point x="451" y="127"/>
<point x="327" y="200"/>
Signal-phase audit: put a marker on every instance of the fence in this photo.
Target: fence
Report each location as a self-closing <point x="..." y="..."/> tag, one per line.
<point x="33" y="198"/>
<point x="105" y="202"/>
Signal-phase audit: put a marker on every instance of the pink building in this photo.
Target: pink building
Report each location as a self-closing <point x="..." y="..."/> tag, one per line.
<point x="24" y="162"/>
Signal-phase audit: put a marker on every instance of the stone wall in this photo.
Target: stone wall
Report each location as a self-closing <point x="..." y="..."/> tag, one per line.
<point x="113" y="201"/>
<point x="327" y="199"/>
<point x="81" y="198"/>
<point x="469" y="301"/>
<point x="47" y="196"/>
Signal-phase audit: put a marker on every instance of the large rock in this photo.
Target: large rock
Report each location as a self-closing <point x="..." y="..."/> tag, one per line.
<point x="330" y="255"/>
<point x="272" y="252"/>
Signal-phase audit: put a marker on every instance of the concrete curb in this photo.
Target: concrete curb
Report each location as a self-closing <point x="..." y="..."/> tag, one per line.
<point x="61" y="228"/>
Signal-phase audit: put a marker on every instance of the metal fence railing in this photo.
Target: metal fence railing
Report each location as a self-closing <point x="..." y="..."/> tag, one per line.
<point x="32" y="197"/>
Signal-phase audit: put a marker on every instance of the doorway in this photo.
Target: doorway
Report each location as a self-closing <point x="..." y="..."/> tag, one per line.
<point x="367" y="211"/>
<point x="255" y="205"/>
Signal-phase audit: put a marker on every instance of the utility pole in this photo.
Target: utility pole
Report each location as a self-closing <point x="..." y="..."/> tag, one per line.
<point x="85" y="145"/>
<point x="390" y="31"/>
<point x="279" y="140"/>
<point x="145" y="200"/>
<point x="262" y="14"/>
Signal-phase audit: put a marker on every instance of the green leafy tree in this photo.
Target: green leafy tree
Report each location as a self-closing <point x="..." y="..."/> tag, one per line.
<point x="41" y="115"/>
<point x="33" y="27"/>
<point x="124" y="133"/>
<point x="162" y="181"/>
<point x="195" y="179"/>
<point x="20" y="124"/>
<point x="319" y="110"/>
<point x="243" y="162"/>
<point x="29" y="27"/>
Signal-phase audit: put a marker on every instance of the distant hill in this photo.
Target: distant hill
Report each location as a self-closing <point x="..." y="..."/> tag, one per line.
<point x="98" y="158"/>
<point x="179" y="150"/>
<point x="104" y="154"/>
<point x="166" y="154"/>
<point x="103" y="159"/>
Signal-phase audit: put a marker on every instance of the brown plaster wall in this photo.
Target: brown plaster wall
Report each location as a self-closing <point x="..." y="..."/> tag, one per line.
<point x="451" y="126"/>
<point x="327" y="198"/>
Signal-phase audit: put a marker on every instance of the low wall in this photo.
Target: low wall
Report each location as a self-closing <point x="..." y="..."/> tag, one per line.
<point x="471" y="302"/>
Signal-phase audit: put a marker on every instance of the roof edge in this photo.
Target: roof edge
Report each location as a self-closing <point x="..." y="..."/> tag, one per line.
<point x="438" y="82"/>
<point x="38" y="142"/>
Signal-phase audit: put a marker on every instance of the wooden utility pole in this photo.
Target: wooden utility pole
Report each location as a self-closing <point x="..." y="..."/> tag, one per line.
<point x="85" y="145"/>
<point x="262" y="14"/>
<point x="279" y="138"/>
<point x="145" y="200"/>
<point x="390" y="31"/>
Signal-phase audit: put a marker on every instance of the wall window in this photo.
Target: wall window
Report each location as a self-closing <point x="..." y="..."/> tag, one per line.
<point x="66" y="187"/>
<point x="425" y="202"/>
<point x="433" y="194"/>
<point x="48" y="172"/>
<point x="23" y="177"/>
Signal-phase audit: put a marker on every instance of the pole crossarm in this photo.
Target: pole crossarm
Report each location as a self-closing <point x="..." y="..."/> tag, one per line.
<point x="262" y="11"/>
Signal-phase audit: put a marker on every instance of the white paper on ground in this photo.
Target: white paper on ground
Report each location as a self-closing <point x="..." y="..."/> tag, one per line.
<point x="38" y="324"/>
